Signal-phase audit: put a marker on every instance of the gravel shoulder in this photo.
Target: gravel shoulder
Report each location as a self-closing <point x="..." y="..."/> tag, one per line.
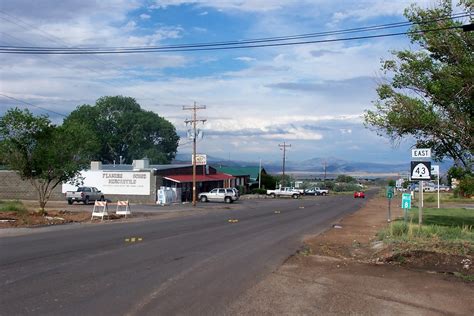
<point x="340" y="272"/>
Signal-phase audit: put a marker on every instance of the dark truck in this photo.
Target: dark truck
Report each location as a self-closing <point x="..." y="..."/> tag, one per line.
<point x="84" y="195"/>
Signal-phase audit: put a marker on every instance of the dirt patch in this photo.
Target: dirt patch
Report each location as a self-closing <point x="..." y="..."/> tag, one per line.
<point x="433" y="261"/>
<point x="34" y="219"/>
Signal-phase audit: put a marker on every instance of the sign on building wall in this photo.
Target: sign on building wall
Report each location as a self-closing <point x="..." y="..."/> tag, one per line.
<point x="115" y="182"/>
<point x="200" y="159"/>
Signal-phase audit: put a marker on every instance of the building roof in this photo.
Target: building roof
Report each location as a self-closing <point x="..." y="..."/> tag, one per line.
<point x="241" y="171"/>
<point x="124" y="167"/>
<point x="199" y="177"/>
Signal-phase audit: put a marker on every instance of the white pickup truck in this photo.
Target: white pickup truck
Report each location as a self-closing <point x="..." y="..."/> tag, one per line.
<point x="84" y="195"/>
<point x="284" y="192"/>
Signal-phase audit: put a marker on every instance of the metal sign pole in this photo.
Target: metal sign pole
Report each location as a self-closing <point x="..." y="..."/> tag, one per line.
<point x="438" y="190"/>
<point x="389" y="211"/>
<point x="420" y="204"/>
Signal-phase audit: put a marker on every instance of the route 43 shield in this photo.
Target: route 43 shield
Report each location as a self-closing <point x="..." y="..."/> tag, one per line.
<point x="420" y="170"/>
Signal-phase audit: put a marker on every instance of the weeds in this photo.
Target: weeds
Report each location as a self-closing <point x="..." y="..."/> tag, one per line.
<point x="305" y="251"/>
<point x="12" y="206"/>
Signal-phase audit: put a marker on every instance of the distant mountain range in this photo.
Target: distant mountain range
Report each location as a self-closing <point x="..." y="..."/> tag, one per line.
<point x="316" y="165"/>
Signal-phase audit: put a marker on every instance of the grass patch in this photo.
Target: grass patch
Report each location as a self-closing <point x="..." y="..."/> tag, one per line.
<point x="12" y="206"/>
<point x="445" y="216"/>
<point x="444" y="230"/>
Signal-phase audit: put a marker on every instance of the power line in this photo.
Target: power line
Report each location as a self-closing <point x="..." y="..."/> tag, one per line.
<point x="242" y="42"/>
<point x="258" y="43"/>
<point x="158" y="50"/>
<point x="33" y="105"/>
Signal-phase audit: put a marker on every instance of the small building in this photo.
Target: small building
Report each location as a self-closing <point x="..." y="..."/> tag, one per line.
<point x="245" y="177"/>
<point x="141" y="182"/>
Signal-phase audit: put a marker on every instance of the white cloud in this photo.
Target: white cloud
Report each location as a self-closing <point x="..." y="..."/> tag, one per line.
<point x="145" y="16"/>
<point x="245" y="58"/>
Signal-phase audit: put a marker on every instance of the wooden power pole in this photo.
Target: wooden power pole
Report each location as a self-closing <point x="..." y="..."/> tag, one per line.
<point x="283" y="147"/>
<point x="193" y="122"/>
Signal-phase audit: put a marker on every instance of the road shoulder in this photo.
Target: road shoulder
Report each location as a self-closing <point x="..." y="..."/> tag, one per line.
<point x="338" y="272"/>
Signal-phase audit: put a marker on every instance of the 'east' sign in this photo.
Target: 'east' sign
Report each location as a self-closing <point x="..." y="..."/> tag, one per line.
<point x="420" y="153"/>
<point x="420" y="170"/>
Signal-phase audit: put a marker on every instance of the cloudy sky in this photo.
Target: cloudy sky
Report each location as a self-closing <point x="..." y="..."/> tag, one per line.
<point x="311" y="96"/>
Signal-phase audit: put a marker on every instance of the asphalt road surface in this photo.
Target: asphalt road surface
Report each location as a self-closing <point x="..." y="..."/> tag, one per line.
<point x="190" y="265"/>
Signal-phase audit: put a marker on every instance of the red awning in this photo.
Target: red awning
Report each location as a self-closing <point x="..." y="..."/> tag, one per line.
<point x="199" y="177"/>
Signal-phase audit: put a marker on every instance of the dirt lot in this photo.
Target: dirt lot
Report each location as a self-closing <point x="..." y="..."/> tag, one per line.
<point x="343" y="271"/>
<point x="56" y="214"/>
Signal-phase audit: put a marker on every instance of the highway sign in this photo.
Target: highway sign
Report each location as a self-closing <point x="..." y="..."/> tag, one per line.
<point x="420" y="170"/>
<point x="406" y="200"/>
<point x="390" y="192"/>
<point x="421" y="153"/>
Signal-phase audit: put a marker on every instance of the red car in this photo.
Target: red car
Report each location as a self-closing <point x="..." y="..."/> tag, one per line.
<point x="359" y="194"/>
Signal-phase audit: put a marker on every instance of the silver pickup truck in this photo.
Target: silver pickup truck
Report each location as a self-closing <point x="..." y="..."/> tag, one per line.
<point x="84" y="195"/>
<point x="284" y="192"/>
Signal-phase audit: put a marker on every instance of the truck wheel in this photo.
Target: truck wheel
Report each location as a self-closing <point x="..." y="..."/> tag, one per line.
<point x="69" y="201"/>
<point x="295" y="196"/>
<point x="228" y="199"/>
<point x="102" y="198"/>
<point x="203" y="198"/>
<point x="86" y="200"/>
<point x="324" y="194"/>
<point x="273" y="195"/>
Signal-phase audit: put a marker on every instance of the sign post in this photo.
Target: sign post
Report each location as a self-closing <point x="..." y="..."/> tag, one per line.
<point x="435" y="171"/>
<point x="406" y="204"/>
<point x="390" y="191"/>
<point x="420" y="170"/>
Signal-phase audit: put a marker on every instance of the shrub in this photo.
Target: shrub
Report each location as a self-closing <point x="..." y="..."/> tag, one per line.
<point x="258" y="191"/>
<point x="12" y="206"/>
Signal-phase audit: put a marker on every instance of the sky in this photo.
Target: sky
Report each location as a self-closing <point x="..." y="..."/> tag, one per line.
<point x="310" y="96"/>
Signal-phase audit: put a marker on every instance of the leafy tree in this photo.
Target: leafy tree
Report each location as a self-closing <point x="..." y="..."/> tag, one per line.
<point x="431" y="91"/>
<point x="268" y="181"/>
<point x="43" y="153"/>
<point x="124" y="129"/>
<point x="406" y="184"/>
<point x="345" y="179"/>
<point x="391" y="183"/>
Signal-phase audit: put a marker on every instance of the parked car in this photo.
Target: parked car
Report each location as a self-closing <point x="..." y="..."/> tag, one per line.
<point x="227" y="195"/>
<point x="284" y="192"/>
<point x="359" y="194"/>
<point x="444" y="188"/>
<point x="316" y="191"/>
<point x="84" y="195"/>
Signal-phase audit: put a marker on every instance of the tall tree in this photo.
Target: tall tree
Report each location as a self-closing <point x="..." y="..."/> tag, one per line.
<point x="431" y="91"/>
<point x="125" y="129"/>
<point x="42" y="153"/>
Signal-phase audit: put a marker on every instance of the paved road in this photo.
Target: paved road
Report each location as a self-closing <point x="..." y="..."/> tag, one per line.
<point x="189" y="265"/>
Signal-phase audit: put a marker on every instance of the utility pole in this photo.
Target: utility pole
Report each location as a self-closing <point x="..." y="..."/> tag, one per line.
<point x="325" y="165"/>
<point x="283" y="147"/>
<point x="193" y="122"/>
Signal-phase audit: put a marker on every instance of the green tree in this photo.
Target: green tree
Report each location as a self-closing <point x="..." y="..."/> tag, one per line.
<point x="268" y="181"/>
<point x="345" y="179"/>
<point x="125" y="129"/>
<point x="430" y="94"/>
<point x="42" y="153"/>
<point x="391" y="183"/>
